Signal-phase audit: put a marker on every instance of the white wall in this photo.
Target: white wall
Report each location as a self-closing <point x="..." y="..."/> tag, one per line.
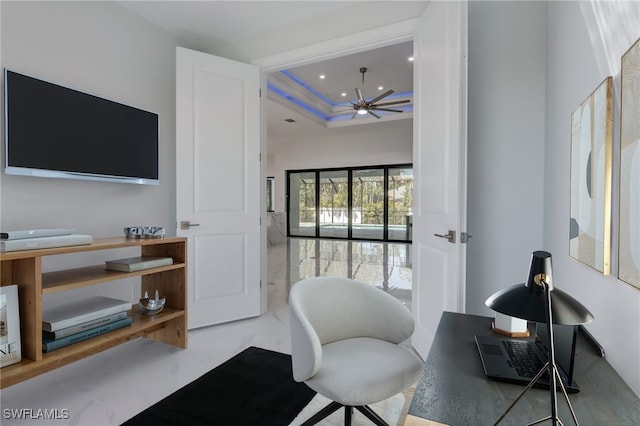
<point x="105" y="50"/>
<point x="505" y="145"/>
<point x="586" y="42"/>
<point x="360" y="145"/>
<point x="524" y="82"/>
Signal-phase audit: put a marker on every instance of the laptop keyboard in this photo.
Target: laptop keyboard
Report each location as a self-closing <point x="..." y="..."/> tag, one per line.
<point x="523" y="358"/>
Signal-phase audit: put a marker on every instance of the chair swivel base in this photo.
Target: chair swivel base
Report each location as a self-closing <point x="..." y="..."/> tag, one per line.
<point x="348" y="413"/>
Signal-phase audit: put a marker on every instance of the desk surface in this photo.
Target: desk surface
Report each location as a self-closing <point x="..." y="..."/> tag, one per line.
<point x="454" y="390"/>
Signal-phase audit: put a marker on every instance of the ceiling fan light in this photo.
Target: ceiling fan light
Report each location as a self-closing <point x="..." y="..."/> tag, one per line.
<point x="362" y="111"/>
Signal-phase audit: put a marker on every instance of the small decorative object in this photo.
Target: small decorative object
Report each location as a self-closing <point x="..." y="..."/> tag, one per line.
<point x="510" y="326"/>
<point x="10" y="345"/>
<point x="591" y="141"/>
<point x="144" y="232"/>
<point x="152" y="306"/>
<point x="629" y="232"/>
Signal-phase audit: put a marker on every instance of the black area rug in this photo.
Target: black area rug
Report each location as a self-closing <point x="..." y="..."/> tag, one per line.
<point x="254" y="388"/>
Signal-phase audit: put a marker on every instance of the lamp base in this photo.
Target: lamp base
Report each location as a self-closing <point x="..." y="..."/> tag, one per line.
<point x="509" y="333"/>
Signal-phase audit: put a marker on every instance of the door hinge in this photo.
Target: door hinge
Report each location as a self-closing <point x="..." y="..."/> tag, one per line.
<point x="464" y="237"/>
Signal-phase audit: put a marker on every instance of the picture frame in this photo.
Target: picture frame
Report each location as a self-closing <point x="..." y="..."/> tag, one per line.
<point x="629" y="200"/>
<point x="10" y="343"/>
<point x="591" y="163"/>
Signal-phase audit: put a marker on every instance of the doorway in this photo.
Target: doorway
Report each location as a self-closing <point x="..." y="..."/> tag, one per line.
<point x="440" y="42"/>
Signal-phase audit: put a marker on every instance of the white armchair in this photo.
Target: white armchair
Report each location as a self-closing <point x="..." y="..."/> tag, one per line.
<point x="345" y="339"/>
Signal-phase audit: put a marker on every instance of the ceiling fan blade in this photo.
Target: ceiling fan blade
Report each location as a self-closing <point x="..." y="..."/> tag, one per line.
<point x="393" y="103"/>
<point x="384" y="95"/>
<point x="359" y="95"/>
<point x="354" y="115"/>
<point x="373" y="113"/>
<point x="386" y="109"/>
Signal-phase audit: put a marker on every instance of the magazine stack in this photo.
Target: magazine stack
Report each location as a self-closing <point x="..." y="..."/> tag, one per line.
<point x="41" y="238"/>
<point x="77" y="321"/>
<point x="10" y="347"/>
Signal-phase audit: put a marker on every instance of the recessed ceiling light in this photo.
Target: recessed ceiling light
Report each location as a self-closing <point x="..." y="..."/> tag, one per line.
<point x="322" y="76"/>
<point x="380" y="87"/>
<point x="343" y="94"/>
<point x="410" y="58"/>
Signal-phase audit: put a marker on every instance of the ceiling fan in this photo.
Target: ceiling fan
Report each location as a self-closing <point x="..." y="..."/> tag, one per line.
<point x="364" y="107"/>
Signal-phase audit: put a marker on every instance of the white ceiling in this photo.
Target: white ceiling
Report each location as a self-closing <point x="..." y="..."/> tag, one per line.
<point x="245" y="30"/>
<point x="326" y="91"/>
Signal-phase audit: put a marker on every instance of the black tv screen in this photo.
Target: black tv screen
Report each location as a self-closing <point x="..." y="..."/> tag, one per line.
<point x="54" y="131"/>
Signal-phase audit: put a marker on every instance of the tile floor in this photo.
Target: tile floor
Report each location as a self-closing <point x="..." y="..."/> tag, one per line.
<point x="111" y="387"/>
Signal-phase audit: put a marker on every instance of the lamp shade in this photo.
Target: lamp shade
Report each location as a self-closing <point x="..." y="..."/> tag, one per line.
<point x="528" y="300"/>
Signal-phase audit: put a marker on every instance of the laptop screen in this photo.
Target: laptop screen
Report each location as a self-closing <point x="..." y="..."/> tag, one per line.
<point x="564" y="336"/>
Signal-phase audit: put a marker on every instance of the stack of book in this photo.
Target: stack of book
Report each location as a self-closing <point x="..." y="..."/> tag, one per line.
<point x="74" y="322"/>
<point x="41" y="238"/>
<point x="139" y="263"/>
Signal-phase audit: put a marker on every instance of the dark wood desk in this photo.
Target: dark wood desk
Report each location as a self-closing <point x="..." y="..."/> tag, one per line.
<point x="454" y="390"/>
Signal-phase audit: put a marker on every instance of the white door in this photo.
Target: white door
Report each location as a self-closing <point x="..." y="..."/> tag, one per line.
<point x="218" y="185"/>
<point x="439" y="166"/>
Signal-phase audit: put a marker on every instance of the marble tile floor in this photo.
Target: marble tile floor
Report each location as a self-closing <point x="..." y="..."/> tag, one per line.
<point x="111" y="387"/>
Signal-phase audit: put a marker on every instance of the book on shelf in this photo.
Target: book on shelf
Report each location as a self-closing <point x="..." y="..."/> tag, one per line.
<point x="74" y="329"/>
<point x="10" y="347"/>
<point x="77" y="312"/>
<point x="35" y="233"/>
<point x="45" y="242"/>
<point x="132" y="264"/>
<point x="52" y="345"/>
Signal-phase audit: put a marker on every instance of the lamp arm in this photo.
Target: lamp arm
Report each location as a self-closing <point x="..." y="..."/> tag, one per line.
<point x="552" y="355"/>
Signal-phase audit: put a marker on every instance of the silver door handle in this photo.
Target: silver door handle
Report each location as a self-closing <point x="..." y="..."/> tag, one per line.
<point x="451" y="236"/>
<point x="185" y="224"/>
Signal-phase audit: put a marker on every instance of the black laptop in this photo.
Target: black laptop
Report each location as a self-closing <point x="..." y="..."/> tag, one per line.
<point x="519" y="360"/>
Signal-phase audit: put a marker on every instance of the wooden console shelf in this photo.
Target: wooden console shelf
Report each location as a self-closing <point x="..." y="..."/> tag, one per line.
<point x="24" y="268"/>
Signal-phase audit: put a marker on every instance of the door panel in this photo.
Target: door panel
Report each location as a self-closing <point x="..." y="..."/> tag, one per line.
<point x="400" y="198"/>
<point x="367" y="214"/>
<point x="218" y="184"/>
<point x="302" y="204"/>
<point x="334" y="204"/>
<point x="439" y="166"/>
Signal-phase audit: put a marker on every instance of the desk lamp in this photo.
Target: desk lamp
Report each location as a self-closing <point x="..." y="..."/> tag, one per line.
<point x="537" y="300"/>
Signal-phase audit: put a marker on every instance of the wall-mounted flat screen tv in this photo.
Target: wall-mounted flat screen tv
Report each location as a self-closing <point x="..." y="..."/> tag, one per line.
<point x="54" y="131"/>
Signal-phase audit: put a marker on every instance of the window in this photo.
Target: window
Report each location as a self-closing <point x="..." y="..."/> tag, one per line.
<point x="364" y="203"/>
<point x="271" y="195"/>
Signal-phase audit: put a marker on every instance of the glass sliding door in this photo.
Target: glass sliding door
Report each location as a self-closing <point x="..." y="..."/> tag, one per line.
<point x="368" y="204"/>
<point x="358" y="203"/>
<point x="302" y="204"/>
<point x="399" y="201"/>
<point x="334" y="209"/>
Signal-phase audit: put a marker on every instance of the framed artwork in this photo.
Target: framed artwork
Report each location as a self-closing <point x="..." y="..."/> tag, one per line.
<point x="591" y="144"/>
<point x="629" y="238"/>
